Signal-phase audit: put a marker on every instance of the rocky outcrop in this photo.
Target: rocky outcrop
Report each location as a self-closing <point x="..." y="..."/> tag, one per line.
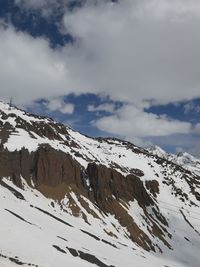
<point x="113" y="192"/>
<point x="106" y="183"/>
<point x="153" y="187"/>
<point x="53" y="167"/>
<point x="40" y="127"/>
<point x="16" y="164"/>
<point x="46" y="166"/>
<point x="55" y="173"/>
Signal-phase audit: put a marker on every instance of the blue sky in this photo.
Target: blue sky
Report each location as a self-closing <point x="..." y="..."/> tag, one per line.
<point x="129" y="69"/>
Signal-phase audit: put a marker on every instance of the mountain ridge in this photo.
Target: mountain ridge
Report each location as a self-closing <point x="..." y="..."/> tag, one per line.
<point x="113" y="189"/>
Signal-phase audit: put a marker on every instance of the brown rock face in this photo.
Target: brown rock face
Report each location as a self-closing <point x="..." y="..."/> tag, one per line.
<point x="54" y="167"/>
<point x="16" y="164"/>
<point x="107" y="182"/>
<point x="46" y="166"/>
<point x="55" y="174"/>
<point x="153" y="187"/>
<point x="50" y="167"/>
<point x="5" y="130"/>
<point x="112" y="191"/>
<point x="103" y="183"/>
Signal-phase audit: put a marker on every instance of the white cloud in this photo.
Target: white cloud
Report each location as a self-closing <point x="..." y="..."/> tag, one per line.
<point x="191" y="107"/>
<point x="132" y="51"/>
<point x="130" y="121"/>
<point x="57" y="104"/>
<point x="67" y="108"/>
<point x="30" y="69"/>
<point x="107" y="107"/>
<point x="137" y="50"/>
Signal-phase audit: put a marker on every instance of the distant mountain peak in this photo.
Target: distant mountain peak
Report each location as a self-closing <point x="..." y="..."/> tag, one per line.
<point x="156" y="150"/>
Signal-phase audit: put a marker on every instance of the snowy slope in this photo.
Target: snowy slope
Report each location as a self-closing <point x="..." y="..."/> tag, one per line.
<point x="43" y="241"/>
<point x="183" y="159"/>
<point x="77" y="230"/>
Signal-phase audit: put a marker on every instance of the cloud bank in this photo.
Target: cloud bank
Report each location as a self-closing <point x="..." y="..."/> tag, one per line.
<point x="132" y="51"/>
<point x="139" y="52"/>
<point x="131" y="121"/>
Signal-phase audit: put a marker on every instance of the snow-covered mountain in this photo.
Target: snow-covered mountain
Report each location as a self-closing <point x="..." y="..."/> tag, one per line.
<point x="70" y="200"/>
<point x="183" y="159"/>
<point x="156" y="150"/>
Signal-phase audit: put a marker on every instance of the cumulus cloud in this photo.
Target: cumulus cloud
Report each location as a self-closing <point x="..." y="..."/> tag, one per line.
<point x="30" y="69"/>
<point x="136" y="50"/>
<point x="131" y="50"/>
<point x="58" y="104"/>
<point x="130" y="121"/>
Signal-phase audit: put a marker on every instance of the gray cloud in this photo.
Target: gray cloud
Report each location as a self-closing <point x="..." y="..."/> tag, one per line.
<point x="132" y="51"/>
<point x="139" y="50"/>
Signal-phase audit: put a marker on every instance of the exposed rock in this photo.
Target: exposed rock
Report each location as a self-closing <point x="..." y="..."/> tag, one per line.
<point x="153" y="187"/>
<point x="106" y="183"/>
<point x="46" y="167"/>
<point x="55" y="173"/>
<point x="53" y="167"/>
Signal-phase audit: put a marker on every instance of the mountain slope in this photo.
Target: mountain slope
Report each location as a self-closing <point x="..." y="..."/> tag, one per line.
<point x="69" y="198"/>
<point x="183" y="159"/>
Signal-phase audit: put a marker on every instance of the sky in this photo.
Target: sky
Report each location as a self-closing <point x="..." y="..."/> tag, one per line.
<point x="126" y="68"/>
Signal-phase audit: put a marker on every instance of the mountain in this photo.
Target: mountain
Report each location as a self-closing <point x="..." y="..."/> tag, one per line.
<point x="156" y="150"/>
<point x="183" y="159"/>
<point x="67" y="199"/>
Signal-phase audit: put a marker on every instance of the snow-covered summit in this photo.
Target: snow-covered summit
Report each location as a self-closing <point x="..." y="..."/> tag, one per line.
<point x="187" y="161"/>
<point x="186" y="158"/>
<point x="183" y="159"/>
<point x="13" y="111"/>
<point x="156" y="150"/>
